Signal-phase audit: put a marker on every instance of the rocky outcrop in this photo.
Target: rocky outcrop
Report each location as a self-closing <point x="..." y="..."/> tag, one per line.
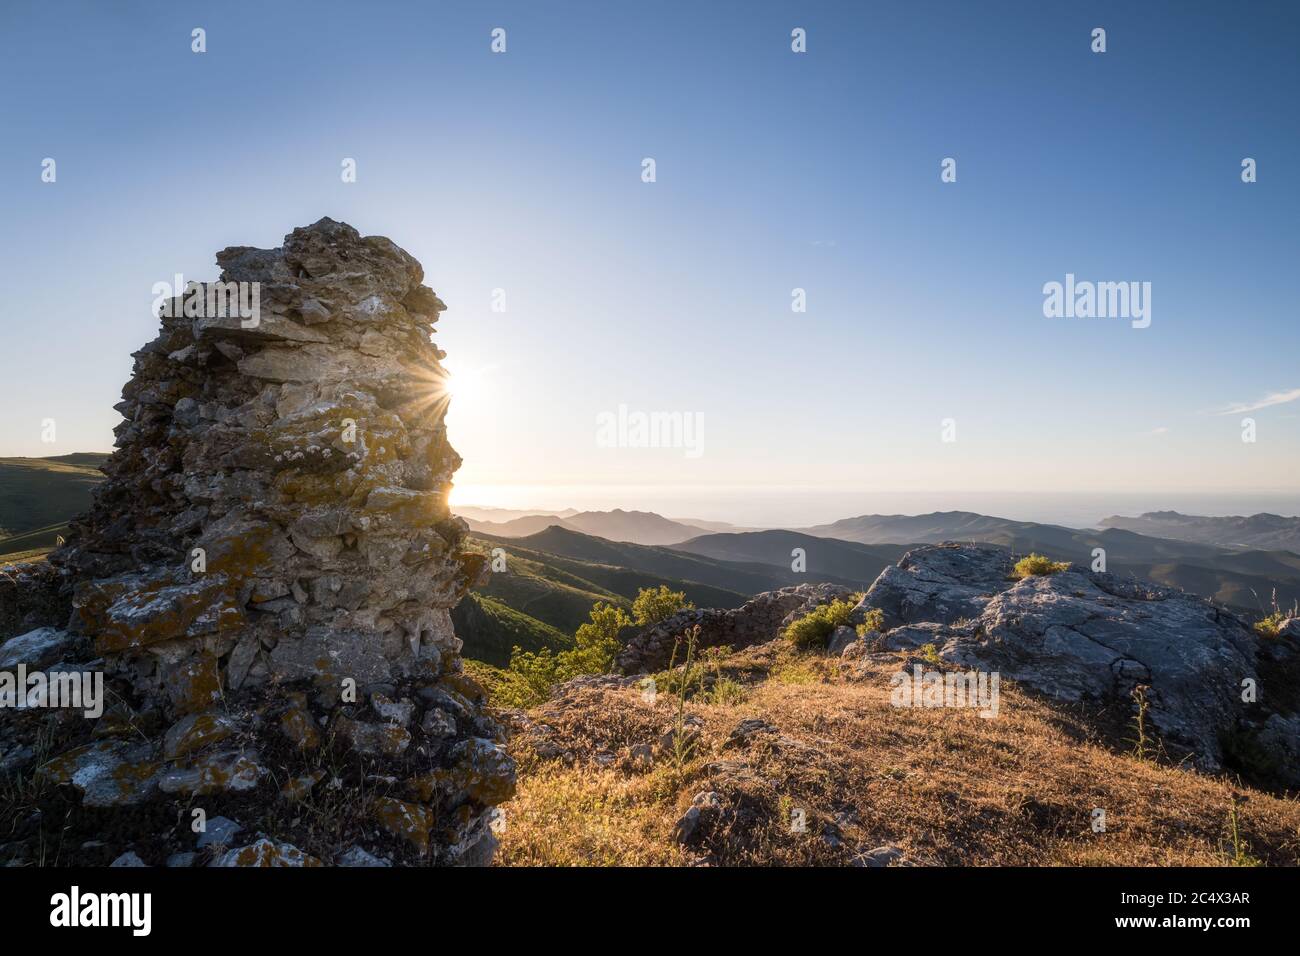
<point x="940" y="585"/>
<point x="1077" y="635"/>
<point x="1212" y="693"/>
<point x="759" y="619"/>
<point x="1277" y="741"/>
<point x="270" y="566"/>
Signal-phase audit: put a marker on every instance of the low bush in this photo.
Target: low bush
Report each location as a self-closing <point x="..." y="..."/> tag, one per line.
<point x="814" y="628"/>
<point x="873" y="623"/>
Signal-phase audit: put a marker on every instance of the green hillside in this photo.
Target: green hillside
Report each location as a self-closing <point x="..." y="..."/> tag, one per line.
<point x="828" y="559"/>
<point x="1250" y="595"/>
<point x="39" y="495"/>
<point x="542" y="597"/>
<point x="661" y="563"/>
<point x="32" y="544"/>
<point x="491" y="629"/>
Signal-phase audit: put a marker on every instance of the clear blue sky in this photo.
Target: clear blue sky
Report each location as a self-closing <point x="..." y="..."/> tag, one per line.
<point x="775" y="170"/>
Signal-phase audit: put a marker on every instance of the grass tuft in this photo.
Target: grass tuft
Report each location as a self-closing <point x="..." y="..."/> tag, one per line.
<point x="1036" y="565"/>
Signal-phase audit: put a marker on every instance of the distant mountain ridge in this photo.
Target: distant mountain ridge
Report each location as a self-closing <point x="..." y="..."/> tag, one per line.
<point x="564" y="561"/>
<point x="638" y="527"/>
<point x="746" y="563"/>
<point x="553" y="578"/>
<point x="519" y="527"/>
<point x="929" y="528"/>
<point x="1246" y="580"/>
<point x="1262" y="531"/>
<point x="742" y="577"/>
<point x="501" y="515"/>
<point x="823" y="558"/>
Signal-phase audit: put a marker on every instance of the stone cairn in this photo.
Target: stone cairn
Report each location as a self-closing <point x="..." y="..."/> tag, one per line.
<point x="266" y="577"/>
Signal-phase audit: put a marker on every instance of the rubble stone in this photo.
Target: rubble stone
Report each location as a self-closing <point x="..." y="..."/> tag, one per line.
<point x="273" y="530"/>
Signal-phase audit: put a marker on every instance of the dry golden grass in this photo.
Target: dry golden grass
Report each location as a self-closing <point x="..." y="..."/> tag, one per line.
<point x="584" y="816"/>
<point x="945" y="785"/>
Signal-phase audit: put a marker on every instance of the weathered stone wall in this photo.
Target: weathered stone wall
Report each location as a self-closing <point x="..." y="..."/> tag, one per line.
<point x="272" y="559"/>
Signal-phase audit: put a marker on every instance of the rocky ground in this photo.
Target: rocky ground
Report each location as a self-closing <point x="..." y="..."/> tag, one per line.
<point x="808" y="759"/>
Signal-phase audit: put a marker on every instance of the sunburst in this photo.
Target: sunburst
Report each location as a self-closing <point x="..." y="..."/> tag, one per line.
<point x="429" y="392"/>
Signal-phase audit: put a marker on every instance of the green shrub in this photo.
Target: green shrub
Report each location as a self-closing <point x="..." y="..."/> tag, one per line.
<point x="1036" y="564"/>
<point x="874" y="622"/>
<point x="814" y="628"/>
<point x="532" y="674"/>
<point x="653" y="605"/>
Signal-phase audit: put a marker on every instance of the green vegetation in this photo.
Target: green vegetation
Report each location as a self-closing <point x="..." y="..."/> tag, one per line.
<point x="1240" y="855"/>
<point x="1143" y="748"/>
<point x="554" y="594"/>
<point x="493" y="629"/>
<point x="684" y="744"/>
<point x="551" y="658"/>
<point x="814" y="628"/>
<point x="931" y="654"/>
<point x="1037" y="564"/>
<point x="38" y="496"/>
<point x="500" y="685"/>
<point x="653" y="605"/>
<point x="545" y="591"/>
<point x="1270" y="626"/>
<point x="532" y="674"/>
<point x="873" y="623"/>
<point x="705" y="683"/>
<point x="723" y="691"/>
<point x="802" y="671"/>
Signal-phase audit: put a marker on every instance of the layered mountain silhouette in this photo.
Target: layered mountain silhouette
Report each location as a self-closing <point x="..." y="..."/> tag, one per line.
<point x="554" y="577"/>
<point x="825" y="559"/>
<point x="501" y="515"/>
<point x="562" y="562"/>
<point x="1264" y="531"/>
<point x="1249" y="581"/>
<point x="640" y="527"/>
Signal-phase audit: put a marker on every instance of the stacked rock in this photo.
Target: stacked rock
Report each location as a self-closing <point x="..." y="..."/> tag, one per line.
<point x="269" y="569"/>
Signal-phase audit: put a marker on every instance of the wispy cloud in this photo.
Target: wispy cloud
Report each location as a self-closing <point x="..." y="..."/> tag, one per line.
<point x="1162" y="430"/>
<point x="1272" y="398"/>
